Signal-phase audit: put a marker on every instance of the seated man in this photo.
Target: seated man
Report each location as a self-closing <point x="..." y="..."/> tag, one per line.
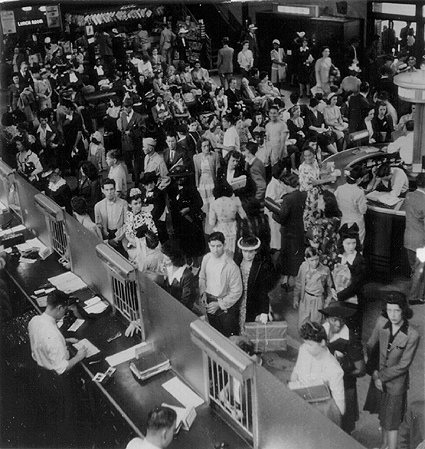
<point x="160" y="430"/>
<point x="390" y="179"/>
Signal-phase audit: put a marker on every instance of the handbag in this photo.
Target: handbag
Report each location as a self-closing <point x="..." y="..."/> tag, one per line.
<point x="315" y="393"/>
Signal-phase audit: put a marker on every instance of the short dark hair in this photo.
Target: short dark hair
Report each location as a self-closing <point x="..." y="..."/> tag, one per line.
<point x="79" y="205"/>
<point x="313" y="331"/>
<point x="383" y="170"/>
<point x="294" y="97"/>
<point x="57" y="298"/>
<point x="67" y="103"/>
<point x="235" y="154"/>
<point x="356" y="173"/>
<point x="173" y="250"/>
<point x="161" y="418"/>
<point x="410" y="125"/>
<point x="45" y="113"/>
<point x="263" y="74"/>
<point x="216" y="236"/>
<point x="89" y="169"/>
<point x="171" y="133"/>
<point x="230" y="118"/>
<point x="313" y="102"/>
<point x="397" y="298"/>
<point x="222" y="189"/>
<point x="311" y="252"/>
<point x="252" y="147"/>
<point x="108" y="181"/>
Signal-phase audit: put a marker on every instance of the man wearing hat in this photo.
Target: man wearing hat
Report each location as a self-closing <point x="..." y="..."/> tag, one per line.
<point x="252" y="39"/>
<point x="131" y="125"/>
<point x="225" y="63"/>
<point x="153" y="162"/>
<point x="347" y="349"/>
<point x="181" y="44"/>
<point x="277" y="55"/>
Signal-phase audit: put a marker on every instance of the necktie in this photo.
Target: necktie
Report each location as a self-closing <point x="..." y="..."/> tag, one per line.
<point x="172" y="155"/>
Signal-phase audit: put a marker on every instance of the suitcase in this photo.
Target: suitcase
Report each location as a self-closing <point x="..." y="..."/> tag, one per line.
<point x="267" y="337"/>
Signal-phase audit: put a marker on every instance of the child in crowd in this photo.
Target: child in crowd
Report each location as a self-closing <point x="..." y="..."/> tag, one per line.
<point x="312" y="288"/>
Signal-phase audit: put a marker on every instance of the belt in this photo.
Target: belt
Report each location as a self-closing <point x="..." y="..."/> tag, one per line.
<point x="316" y="296"/>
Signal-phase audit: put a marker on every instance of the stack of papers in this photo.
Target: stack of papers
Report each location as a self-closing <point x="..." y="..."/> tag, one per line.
<point x="68" y="282"/>
<point x="91" y="348"/>
<point x="95" y="305"/>
<point x="149" y="365"/>
<point x="124" y="356"/>
<point x="384" y="198"/>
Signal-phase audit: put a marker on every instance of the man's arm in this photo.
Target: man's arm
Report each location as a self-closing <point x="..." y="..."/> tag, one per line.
<point x="235" y="288"/>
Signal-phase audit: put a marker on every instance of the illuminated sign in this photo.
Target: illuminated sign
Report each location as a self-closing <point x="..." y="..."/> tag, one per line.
<point x="311" y="11"/>
<point x="30" y="22"/>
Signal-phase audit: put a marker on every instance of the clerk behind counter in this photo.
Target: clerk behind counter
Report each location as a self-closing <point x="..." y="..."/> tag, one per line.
<point x="389" y="179"/>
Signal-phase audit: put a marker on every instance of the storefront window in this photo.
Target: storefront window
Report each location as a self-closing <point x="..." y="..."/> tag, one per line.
<point x="394" y="8"/>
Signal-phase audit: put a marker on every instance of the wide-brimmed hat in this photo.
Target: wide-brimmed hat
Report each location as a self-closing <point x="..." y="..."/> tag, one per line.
<point x="250" y="243"/>
<point x="180" y="171"/>
<point x="276" y="41"/>
<point x="337" y="311"/>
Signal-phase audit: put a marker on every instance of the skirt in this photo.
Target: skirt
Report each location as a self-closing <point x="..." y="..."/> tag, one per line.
<point x="393" y="408"/>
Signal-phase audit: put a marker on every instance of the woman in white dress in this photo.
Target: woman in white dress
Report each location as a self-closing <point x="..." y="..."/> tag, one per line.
<point x="277" y="55"/>
<point x="322" y="68"/>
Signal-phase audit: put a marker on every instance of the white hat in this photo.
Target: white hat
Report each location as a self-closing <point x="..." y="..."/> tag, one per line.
<point x="47" y="40"/>
<point x="248" y="244"/>
<point x="183" y="30"/>
<point x="301" y="33"/>
<point x="276" y="41"/>
<point x="252" y="27"/>
<point x="354" y="68"/>
<point x="149" y="141"/>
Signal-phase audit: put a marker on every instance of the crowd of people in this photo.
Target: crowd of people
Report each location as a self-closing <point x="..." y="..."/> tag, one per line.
<point x="216" y="189"/>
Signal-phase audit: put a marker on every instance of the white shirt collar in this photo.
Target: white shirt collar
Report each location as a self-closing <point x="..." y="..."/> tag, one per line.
<point x="40" y="129"/>
<point x="344" y="333"/>
<point x="177" y="275"/>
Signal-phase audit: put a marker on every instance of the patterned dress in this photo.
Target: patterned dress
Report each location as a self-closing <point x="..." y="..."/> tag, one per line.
<point x="307" y="174"/>
<point x="131" y="224"/>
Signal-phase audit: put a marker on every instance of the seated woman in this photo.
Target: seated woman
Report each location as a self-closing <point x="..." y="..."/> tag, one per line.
<point x="333" y="119"/>
<point x="383" y="123"/>
<point x="178" y="107"/>
<point x="250" y="97"/>
<point x="179" y="280"/>
<point x="315" y="123"/>
<point x="257" y="278"/>
<point x="390" y="179"/>
<point x="158" y="84"/>
<point x="369" y="124"/>
<point x="266" y="88"/>
<point x="220" y="102"/>
<point x="171" y="77"/>
<point x="316" y="366"/>
<point x="296" y="136"/>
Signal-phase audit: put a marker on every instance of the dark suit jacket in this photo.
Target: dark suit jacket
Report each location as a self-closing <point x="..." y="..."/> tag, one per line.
<point x="260" y="282"/>
<point x="233" y="97"/>
<point x="184" y="290"/>
<point x="394" y="362"/>
<point x="225" y="60"/>
<point x="258" y="175"/>
<point x="358" y="272"/>
<point x="131" y="142"/>
<point x="179" y="155"/>
<point x="157" y="199"/>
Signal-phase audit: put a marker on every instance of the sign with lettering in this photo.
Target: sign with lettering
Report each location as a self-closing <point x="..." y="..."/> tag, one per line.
<point x="8" y="24"/>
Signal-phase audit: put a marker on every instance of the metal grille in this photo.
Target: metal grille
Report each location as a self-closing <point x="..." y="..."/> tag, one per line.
<point x="232" y="396"/>
<point x="126" y="299"/>
<point x="59" y="237"/>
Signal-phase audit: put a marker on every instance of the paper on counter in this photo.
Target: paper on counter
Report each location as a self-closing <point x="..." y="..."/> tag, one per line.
<point x="76" y="325"/>
<point x="182" y="393"/>
<point x="95" y="305"/>
<point x="42" y="301"/>
<point x="124" y="356"/>
<point x="84" y="343"/>
<point x="68" y="282"/>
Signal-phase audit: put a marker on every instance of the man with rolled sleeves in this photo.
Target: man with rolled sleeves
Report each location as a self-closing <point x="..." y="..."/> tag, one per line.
<point x="50" y="352"/>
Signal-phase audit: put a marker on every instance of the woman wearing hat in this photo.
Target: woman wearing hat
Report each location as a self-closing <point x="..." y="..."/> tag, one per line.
<point x="186" y="212"/>
<point x="305" y="61"/>
<point x="391" y="350"/>
<point x="349" y="274"/>
<point x="57" y="189"/>
<point x="347" y="349"/>
<point x="277" y="55"/>
<point x="257" y="279"/>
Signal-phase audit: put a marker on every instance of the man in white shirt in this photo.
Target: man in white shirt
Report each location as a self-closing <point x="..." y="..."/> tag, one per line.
<point x="231" y="139"/>
<point x="404" y="144"/>
<point x="160" y="430"/>
<point x="276" y="134"/>
<point x="117" y="173"/>
<point x="220" y="287"/>
<point x="49" y="350"/>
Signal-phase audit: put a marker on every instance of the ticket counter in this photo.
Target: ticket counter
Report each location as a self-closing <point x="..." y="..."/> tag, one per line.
<point x="279" y="418"/>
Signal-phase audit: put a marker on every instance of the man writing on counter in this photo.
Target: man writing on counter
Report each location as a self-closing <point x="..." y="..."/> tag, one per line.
<point x="49" y="350"/>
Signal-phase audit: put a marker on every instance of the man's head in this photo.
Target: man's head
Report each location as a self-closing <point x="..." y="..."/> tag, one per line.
<point x="57" y="304"/>
<point x="108" y="189"/>
<point x="216" y="242"/>
<point x="149" y="145"/>
<point x="420" y="181"/>
<point x="250" y="151"/>
<point x="232" y="83"/>
<point x="161" y="426"/>
<point x="273" y="113"/>
<point x="171" y="140"/>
